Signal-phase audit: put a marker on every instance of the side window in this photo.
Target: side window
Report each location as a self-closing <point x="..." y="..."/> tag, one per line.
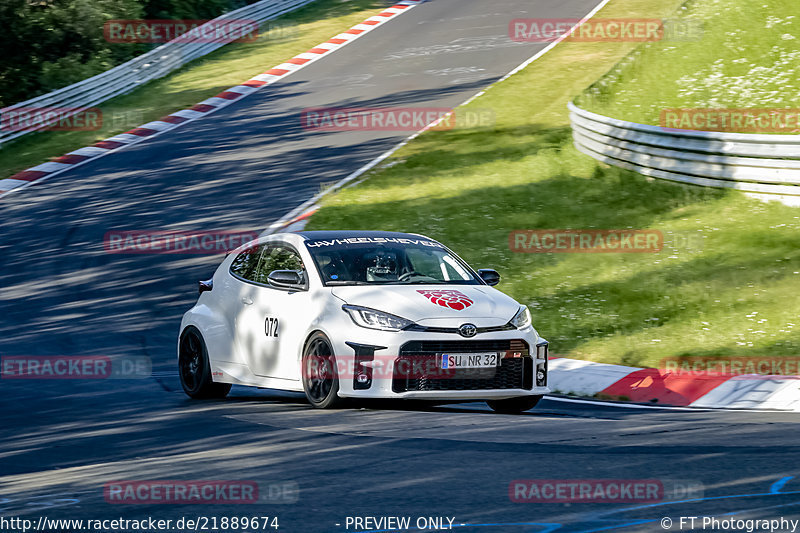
<point x="256" y="263"/>
<point x="279" y="257"/>
<point x="245" y="265"/>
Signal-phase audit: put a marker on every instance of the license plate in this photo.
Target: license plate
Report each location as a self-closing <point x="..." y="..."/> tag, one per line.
<point x="470" y="360"/>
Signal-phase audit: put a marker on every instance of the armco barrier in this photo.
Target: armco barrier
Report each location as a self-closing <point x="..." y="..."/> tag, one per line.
<point x="754" y="163"/>
<point x="146" y="67"/>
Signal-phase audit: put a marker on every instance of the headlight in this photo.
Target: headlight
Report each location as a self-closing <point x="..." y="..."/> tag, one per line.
<point x="370" y="318"/>
<point x="522" y="319"/>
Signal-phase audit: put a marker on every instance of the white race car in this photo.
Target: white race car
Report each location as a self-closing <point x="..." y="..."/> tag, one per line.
<point x="360" y="314"/>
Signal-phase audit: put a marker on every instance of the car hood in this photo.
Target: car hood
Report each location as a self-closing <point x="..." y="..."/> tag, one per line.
<point x="435" y="305"/>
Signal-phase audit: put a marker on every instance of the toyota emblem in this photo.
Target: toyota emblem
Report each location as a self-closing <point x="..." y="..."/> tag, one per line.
<point x="468" y="330"/>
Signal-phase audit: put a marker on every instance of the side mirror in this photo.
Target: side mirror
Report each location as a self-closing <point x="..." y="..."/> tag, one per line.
<point x="203" y="286"/>
<point x="490" y="276"/>
<point x="287" y="279"/>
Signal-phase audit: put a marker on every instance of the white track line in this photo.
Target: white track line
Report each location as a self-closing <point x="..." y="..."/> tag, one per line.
<point x="352" y="179"/>
<point x="628" y="405"/>
<point x="663" y="407"/>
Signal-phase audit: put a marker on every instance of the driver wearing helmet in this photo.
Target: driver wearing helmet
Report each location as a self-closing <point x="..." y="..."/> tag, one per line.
<point x="382" y="267"/>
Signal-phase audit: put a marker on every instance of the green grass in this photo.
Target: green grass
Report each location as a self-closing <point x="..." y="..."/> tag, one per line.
<point x="469" y="188"/>
<point x="748" y="57"/>
<point x="280" y="40"/>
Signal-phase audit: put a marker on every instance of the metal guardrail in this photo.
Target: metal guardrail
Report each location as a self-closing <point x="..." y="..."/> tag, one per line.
<point x="144" y="68"/>
<point x="756" y="163"/>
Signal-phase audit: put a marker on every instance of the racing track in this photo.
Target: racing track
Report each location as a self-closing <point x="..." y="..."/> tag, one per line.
<point x="244" y="167"/>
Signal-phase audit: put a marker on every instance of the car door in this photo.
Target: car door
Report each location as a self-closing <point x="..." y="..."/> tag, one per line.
<point x="228" y="286"/>
<point x="271" y="321"/>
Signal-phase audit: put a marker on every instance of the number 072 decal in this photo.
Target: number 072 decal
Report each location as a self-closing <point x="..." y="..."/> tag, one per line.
<point x="271" y="327"/>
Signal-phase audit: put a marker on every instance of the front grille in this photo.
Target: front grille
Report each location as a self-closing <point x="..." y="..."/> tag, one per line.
<point x="455" y="331"/>
<point x="513" y="372"/>
<point x="465" y="346"/>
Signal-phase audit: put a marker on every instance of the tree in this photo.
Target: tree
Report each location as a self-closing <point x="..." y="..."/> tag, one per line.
<point x="49" y="44"/>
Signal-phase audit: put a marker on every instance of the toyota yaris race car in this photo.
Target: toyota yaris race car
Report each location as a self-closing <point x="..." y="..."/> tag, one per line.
<point x="351" y="314"/>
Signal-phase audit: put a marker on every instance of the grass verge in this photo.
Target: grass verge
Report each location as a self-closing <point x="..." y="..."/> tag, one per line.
<point x="746" y="56"/>
<point x="279" y="40"/>
<point x="731" y="295"/>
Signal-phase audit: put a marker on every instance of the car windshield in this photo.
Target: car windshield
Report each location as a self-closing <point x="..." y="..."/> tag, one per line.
<point x="388" y="260"/>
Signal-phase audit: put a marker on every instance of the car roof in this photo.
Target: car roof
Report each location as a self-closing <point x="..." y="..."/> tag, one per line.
<point x="349" y="234"/>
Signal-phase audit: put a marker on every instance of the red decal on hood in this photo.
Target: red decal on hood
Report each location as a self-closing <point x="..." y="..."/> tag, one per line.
<point x="448" y="298"/>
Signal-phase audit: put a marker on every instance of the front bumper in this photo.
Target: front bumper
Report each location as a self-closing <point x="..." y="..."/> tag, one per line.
<point x="473" y="395"/>
<point x="404" y="365"/>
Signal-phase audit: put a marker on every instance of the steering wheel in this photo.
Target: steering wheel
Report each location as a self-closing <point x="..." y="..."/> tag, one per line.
<point x="405" y="276"/>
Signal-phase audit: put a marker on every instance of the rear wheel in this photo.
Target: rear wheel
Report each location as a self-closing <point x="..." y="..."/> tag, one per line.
<point x="514" y="405"/>
<point x="320" y="381"/>
<point x="194" y="368"/>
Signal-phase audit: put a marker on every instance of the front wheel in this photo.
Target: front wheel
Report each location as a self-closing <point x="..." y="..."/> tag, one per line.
<point x="320" y="380"/>
<point x="513" y="406"/>
<point x="194" y="368"/>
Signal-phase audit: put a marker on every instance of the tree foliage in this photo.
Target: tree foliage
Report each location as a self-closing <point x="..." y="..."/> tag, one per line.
<point x="48" y="44"/>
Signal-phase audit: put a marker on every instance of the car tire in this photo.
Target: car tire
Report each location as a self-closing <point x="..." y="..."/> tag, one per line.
<point x="513" y="406"/>
<point x="320" y="379"/>
<point x="194" y="369"/>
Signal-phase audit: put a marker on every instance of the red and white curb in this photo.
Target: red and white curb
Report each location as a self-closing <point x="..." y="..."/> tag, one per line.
<point x="657" y="387"/>
<point x="39" y="173"/>
<point x="297" y="223"/>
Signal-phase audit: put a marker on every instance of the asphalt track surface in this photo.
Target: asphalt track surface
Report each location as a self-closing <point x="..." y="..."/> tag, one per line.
<point x="244" y="167"/>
